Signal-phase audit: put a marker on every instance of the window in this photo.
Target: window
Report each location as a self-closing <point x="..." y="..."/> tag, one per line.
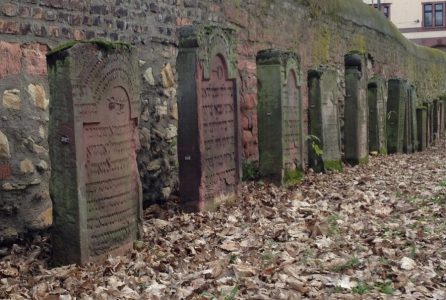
<point x="439" y="14"/>
<point x="433" y="14"/>
<point x="385" y="9"/>
<point x="428" y="15"/>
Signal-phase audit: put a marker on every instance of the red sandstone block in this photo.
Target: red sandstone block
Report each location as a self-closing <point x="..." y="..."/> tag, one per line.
<point x="37" y="13"/>
<point x="183" y="21"/>
<point x="9" y="27"/>
<point x="78" y="35"/>
<point x="9" y="9"/>
<point x="249" y="101"/>
<point x="10" y="54"/>
<point x="236" y="15"/>
<point x="5" y="171"/>
<point x="247" y="65"/>
<point x="34" y="58"/>
<point x="245" y="122"/>
<point x="24" y="11"/>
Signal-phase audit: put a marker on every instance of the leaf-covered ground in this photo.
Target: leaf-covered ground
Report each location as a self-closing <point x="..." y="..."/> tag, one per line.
<point x="371" y="232"/>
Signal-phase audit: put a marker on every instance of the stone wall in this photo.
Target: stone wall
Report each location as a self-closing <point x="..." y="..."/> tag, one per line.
<point x="320" y="32"/>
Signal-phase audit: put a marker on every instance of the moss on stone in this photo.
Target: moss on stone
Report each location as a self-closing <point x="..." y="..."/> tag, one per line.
<point x="103" y="44"/>
<point x="292" y="177"/>
<point x="333" y="165"/>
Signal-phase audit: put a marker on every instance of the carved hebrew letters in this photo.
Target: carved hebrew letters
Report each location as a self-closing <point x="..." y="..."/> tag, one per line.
<point x="208" y="123"/>
<point x="101" y="129"/>
<point x="217" y="96"/>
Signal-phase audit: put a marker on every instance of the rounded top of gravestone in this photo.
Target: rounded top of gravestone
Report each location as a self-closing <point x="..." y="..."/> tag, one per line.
<point x="275" y="56"/>
<point x="353" y="60"/>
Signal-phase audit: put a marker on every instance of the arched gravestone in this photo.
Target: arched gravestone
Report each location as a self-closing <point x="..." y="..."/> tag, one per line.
<point x="355" y="111"/>
<point x="280" y="116"/>
<point x="396" y="112"/>
<point x="324" y="128"/>
<point x="93" y="138"/>
<point x="377" y="100"/>
<point x="208" y="110"/>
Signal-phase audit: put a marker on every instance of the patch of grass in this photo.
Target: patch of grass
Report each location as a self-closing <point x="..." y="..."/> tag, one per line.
<point x="385" y="287"/>
<point x="232" y="258"/>
<point x="224" y="294"/>
<point x="333" y="227"/>
<point x="442" y="183"/>
<point x="439" y="199"/>
<point x="350" y="264"/>
<point x="307" y="256"/>
<point x="361" y="288"/>
<point x="249" y="171"/>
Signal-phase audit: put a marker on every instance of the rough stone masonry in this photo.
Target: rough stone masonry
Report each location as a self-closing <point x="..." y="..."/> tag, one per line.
<point x="319" y="32"/>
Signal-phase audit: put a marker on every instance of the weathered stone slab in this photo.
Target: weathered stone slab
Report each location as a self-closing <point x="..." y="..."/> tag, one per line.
<point x="377" y="100"/>
<point x="396" y="112"/>
<point x="93" y="138"/>
<point x="280" y="116"/>
<point x="208" y="110"/>
<point x="430" y="124"/>
<point x="355" y="111"/>
<point x="408" y="146"/>
<point x="324" y="128"/>
<point x="413" y="99"/>
<point x="436" y="120"/>
<point x="422" y="130"/>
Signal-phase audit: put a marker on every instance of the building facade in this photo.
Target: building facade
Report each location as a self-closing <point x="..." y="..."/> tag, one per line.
<point x="421" y="21"/>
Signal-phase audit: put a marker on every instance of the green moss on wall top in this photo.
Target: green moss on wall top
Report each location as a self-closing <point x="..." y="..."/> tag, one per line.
<point x="106" y="45"/>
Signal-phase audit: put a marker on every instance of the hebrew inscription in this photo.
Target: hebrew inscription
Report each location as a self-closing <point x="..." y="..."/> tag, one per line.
<point x="95" y="135"/>
<point x="217" y="95"/>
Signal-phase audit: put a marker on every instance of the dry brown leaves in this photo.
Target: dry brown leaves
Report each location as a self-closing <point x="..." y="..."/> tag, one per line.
<point x="371" y="232"/>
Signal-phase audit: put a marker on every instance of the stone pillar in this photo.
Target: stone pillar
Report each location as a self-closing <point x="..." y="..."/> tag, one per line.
<point x="280" y="117"/>
<point x="356" y="111"/>
<point x="430" y="122"/>
<point x="436" y="120"/>
<point x="422" y="128"/>
<point x="93" y="138"/>
<point x="408" y="122"/>
<point x="413" y="109"/>
<point x="396" y="110"/>
<point x="208" y="108"/>
<point x="324" y="131"/>
<point x="377" y="100"/>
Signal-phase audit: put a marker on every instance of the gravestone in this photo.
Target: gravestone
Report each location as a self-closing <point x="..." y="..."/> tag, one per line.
<point x="396" y="112"/>
<point x="430" y="124"/>
<point x="414" y="124"/>
<point x="436" y="120"/>
<point x="355" y="111"/>
<point x="442" y="121"/>
<point x="208" y="109"/>
<point x="324" y="131"/>
<point x="280" y="117"/>
<point x="408" y="121"/>
<point x="422" y="129"/>
<point x="377" y="100"/>
<point x="93" y="138"/>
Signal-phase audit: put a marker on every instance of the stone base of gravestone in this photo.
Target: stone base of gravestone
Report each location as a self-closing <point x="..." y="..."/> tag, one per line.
<point x="355" y="111"/>
<point x="93" y="138"/>
<point x="209" y="117"/>
<point x="280" y="117"/>
<point x="396" y="111"/>
<point x="324" y="132"/>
